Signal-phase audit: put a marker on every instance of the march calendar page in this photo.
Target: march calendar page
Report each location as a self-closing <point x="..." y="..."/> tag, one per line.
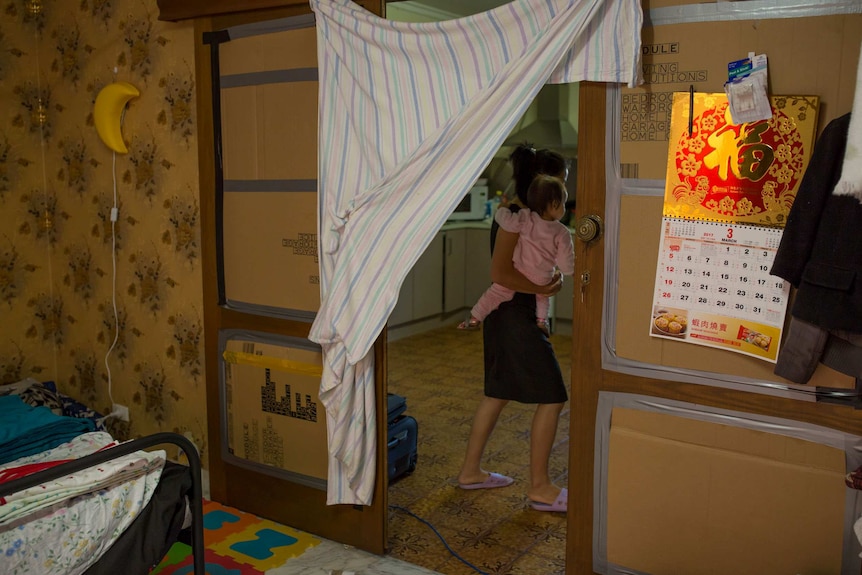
<point x="713" y="287"/>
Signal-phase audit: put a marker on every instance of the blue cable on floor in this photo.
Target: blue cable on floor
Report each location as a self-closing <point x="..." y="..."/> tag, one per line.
<point x="437" y="533"/>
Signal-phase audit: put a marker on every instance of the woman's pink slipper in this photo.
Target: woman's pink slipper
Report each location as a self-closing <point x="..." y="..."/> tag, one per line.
<point x="470" y="324"/>
<point x="560" y="505"/>
<point x="494" y="480"/>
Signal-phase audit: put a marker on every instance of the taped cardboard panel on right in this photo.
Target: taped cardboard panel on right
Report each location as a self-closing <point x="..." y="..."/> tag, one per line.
<point x="701" y="498"/>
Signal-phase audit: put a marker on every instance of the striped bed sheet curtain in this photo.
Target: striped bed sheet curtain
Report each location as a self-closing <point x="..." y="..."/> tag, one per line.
<point x="410" y="114"/>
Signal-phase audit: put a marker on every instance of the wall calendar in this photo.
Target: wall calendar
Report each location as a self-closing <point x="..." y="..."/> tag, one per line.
<point x="728" y="192"/>
<point x="713" y="286"/>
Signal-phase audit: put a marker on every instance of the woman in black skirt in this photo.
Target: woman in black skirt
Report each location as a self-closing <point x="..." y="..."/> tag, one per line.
<point x="520" y="364"/>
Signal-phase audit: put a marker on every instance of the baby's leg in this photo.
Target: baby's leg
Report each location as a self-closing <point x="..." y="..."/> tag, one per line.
<point x="543" y="305"/>
<point x="488" y="302"/>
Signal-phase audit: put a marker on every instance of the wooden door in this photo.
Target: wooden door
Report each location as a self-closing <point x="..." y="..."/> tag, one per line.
<point x="261" y="488"/>
<point x="588" y="376"/>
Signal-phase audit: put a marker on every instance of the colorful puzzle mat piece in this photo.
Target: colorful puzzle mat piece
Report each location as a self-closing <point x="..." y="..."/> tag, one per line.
<point x="178" y="552"/>
<point x="265" y="545"/>
<point x="238" y="543"/>
<point x="221" y="521"/>
<point x="215" y="565"/>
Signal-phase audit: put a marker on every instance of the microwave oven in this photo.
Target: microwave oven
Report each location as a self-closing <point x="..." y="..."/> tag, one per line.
<point x="472" y="205"/>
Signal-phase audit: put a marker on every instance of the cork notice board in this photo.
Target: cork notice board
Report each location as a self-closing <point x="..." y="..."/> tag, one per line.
<point x="273" y="415"/>
<point x="268" y="118"/>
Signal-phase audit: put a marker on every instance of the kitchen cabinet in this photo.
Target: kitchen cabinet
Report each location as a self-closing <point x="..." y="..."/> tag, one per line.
<point x="451" y="274"/>
<point x="421" y="293"/>
<point x="477" y="267"/>
<point x="403" y="310"/>
<point x="427" y="281"/>
<point x="454" y="258"/>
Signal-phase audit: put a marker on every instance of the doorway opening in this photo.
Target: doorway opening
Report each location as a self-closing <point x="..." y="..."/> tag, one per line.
<point x="438" y="369"/>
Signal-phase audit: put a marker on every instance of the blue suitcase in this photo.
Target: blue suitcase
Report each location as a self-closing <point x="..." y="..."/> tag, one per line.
<point x="402" y="439"/>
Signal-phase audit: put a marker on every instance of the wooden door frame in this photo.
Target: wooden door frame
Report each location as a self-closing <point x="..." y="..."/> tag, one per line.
<point x="588" y="376"/>
<point x="586" y="339"/>
<point x="302" y="507"/>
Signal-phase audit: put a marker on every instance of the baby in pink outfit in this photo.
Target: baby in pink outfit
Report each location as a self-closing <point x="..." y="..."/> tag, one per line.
<point x="544" y="245"/>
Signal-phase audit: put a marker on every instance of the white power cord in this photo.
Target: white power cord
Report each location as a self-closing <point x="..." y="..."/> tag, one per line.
<point x="114" y="214"/>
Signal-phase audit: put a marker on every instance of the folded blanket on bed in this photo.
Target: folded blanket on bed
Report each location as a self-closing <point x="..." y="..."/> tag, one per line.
<point x="25" y="430"/>
<point x="68" y="536"/>
<point x="104" y="476"/>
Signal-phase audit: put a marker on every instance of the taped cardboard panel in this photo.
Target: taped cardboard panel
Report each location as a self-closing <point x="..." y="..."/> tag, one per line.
<point x="270" y="249"/>
<point x="806" y="56"/>
<point x="239" y="127"/>
<point x="288" y="131"/>
<point x="266" y="131"/>
<point x="273" y="412"/>
<point x="685" y="356"/>
<point x="275" y="51"/>
<point x="697" y="497"/>
<point x="730" y="437"/>
<point x="640" y="227"/>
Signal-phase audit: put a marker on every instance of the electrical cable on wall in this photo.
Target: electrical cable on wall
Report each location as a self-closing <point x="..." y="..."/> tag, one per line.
<point x="114" y="215"/>
<point x="108" y="113"/>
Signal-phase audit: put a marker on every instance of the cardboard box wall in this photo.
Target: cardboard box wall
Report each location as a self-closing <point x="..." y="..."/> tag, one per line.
<point x="685" y="498"/>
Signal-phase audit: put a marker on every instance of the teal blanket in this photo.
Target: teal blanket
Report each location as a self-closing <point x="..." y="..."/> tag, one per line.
<point x="25" y="430"/>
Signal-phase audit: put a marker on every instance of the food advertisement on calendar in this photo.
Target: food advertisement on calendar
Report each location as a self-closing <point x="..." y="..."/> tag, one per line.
<point x="728" y="192"/>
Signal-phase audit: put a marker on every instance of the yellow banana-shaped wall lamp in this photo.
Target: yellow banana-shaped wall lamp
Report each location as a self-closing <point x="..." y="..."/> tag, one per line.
<point x="108" y="113"/>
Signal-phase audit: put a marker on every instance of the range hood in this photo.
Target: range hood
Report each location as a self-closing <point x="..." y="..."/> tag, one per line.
<point x="548" y="122"/>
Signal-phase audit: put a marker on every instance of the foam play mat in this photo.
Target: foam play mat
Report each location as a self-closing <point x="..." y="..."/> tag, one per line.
<point x="237" y="543"/>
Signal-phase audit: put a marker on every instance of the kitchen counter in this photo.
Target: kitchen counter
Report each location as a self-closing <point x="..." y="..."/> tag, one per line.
<point x="473" y="225"/>
<point x="466" y="225"/>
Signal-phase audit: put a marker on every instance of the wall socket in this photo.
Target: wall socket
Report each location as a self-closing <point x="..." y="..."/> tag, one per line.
<point x="121" y="411"/>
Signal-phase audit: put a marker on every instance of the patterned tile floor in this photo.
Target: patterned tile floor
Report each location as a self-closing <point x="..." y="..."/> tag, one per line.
<point x="440" y="374"/>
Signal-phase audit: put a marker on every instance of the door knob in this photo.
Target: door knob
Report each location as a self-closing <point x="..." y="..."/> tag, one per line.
<point x="588" y="228"/>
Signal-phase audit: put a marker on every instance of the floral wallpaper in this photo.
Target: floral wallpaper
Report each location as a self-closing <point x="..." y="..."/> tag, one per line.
<point x="104" y="309"/>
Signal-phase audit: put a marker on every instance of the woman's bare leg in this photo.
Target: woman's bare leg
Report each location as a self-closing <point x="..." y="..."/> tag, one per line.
<point x="483" y="424"/>
<point x="543" y="434"/>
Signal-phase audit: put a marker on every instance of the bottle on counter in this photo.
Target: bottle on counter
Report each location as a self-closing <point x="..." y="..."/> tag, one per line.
<point x="492" y="204"/>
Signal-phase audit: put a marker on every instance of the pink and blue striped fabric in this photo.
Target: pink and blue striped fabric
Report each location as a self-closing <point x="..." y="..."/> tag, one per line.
<point x="410" y="114"/>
